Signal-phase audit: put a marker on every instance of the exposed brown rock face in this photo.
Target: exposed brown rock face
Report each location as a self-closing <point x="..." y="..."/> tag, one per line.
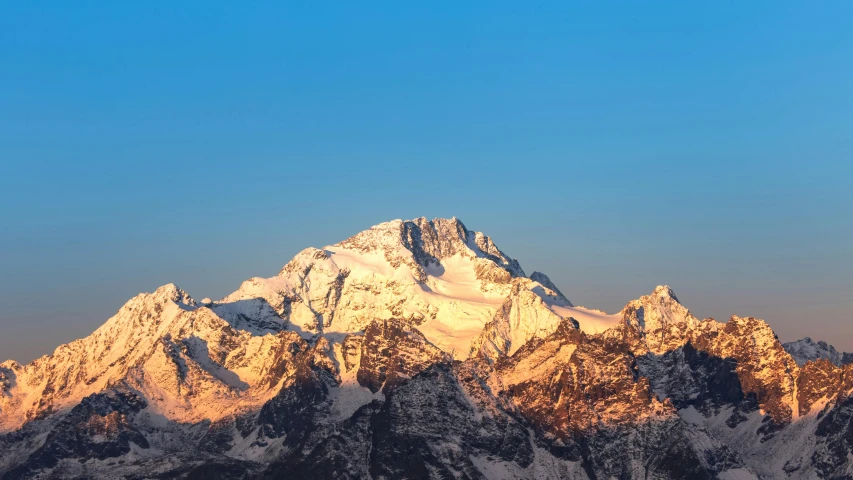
<point x="571" y="383"/>
<point x="392" y="352"/>
<point x="764" y="368"/>
<point x="657" y="324"/>
<point x="817" y="381"/>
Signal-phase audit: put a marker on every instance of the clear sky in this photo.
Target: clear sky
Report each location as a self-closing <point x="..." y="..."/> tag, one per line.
<point x="614" y="146"/>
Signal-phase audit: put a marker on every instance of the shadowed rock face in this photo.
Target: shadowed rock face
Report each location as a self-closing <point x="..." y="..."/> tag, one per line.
<point x="763" y="366"/>
<point x="835" y="437"/>
<point x="428" y="427"/>
<point x="336" y="368"/>
<point x="690" y="377"/>
<point x="99" y="427"/>
<point x="294" y="410"/>
<point x="585" y="392"/>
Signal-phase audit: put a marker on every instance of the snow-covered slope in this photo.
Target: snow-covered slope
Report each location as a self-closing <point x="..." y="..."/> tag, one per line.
<point x="205" y="361"/>
<point x="190" y="363"/>
<point x="419" y="349"/>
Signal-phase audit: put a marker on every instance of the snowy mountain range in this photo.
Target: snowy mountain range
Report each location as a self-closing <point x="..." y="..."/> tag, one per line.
<point x="418" y="349"/>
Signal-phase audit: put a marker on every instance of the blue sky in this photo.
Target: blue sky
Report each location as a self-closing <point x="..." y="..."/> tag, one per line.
<point x="613" y="145"/>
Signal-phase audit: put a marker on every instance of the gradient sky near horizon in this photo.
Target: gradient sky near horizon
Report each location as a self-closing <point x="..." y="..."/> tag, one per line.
<point x="614" y="146"/>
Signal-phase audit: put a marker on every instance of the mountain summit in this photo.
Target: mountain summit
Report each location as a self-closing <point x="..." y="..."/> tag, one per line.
<point x="418" y="349"/>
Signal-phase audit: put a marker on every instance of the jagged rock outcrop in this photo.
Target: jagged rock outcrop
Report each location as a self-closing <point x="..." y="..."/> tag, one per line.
<point x="586" y="397"/>
<point x="832" y="458"/>
<point x="656" y="323"/>
<point x="393" y="352"/>
<point x="570" y="382"/>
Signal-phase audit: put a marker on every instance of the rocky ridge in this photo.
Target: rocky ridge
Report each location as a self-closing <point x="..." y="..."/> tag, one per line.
<point x="417" y="349"/>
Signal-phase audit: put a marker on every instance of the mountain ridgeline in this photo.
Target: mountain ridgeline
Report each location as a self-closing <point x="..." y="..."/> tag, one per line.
<point x="419" y="350"/>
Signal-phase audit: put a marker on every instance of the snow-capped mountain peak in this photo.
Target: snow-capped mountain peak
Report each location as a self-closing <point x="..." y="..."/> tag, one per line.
<point x="659" y="320"/>
<point x="417" y="348"/>
<point x="173" y="293"/>
<point x="807" y="350"/>
<point x="421" y="243"/>
<point x="547" y="283"/>
<point x="437" y="275"/>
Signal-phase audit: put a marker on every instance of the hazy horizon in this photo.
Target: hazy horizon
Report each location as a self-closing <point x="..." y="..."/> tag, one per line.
<point x="706" y="147"/>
